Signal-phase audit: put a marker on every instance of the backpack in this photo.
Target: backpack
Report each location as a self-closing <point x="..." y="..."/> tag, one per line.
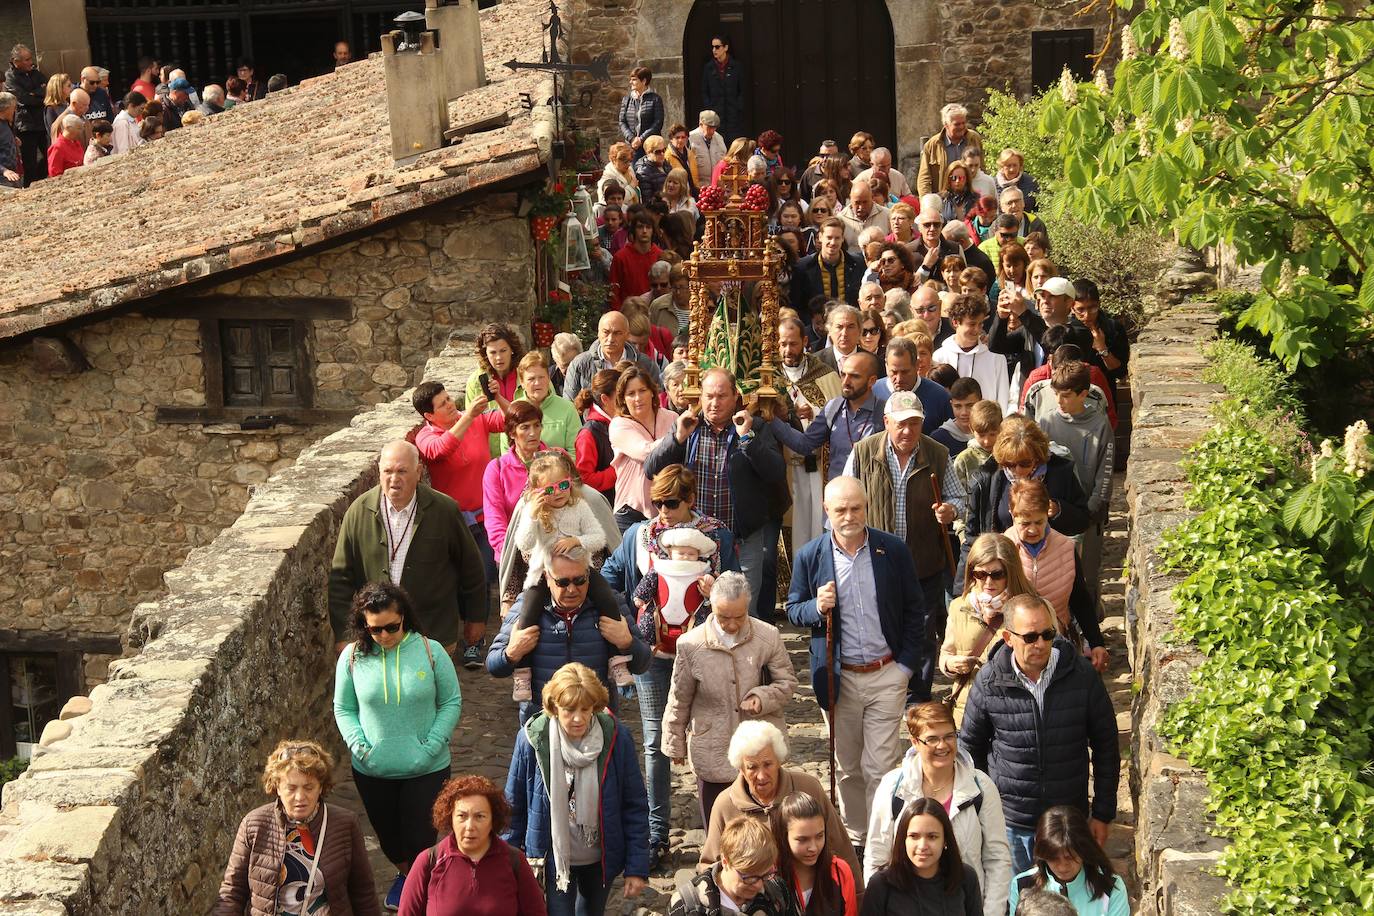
<point x="898" y="804"/>
<point x="698" y="896"/>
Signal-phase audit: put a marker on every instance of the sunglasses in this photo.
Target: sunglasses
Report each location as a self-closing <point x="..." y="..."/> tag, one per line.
<point x="294" y="750"/>
<point x="784" y="181"/>
<point x="822" y="210"/>
<point x="872" y="332"/>
<point x="668" y="503"/>
<point x="928" y="310"/>
<point x="387" y="628"/>
<point x="931" y="225"/>
<point x="716" y="47"/>
<point x="1031" y="639"/>
<point x="1020" y="465"/>
<point x="1007" y="238"/>
<point x="981" y="575"/>
<point x="562" y="486"/>
<point x="567" y="581"/>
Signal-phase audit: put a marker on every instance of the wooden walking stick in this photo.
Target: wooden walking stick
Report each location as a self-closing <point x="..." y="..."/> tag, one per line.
<point x="830" y="698"/>
<point x="944" y="534"/>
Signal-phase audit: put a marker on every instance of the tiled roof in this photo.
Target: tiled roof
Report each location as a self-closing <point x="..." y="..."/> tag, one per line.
<point x="261" y="180"/>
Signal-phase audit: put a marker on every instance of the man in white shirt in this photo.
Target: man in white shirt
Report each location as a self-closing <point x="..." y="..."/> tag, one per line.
<point x="707" y="145"/>
<point x="882" y="168"/>
<point x="860" y="214"/>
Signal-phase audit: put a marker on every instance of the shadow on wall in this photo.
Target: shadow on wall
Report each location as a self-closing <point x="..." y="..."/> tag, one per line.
<point x="16" y="26"/>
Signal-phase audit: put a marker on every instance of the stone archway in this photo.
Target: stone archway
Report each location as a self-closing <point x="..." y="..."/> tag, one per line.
<point x="657" y="38"/>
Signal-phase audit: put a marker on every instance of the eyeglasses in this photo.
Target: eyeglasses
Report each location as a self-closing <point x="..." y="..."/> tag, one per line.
<point x="665" y="503"/>
<point x="996" y="575"/>
<point x="566" y="581"/>
<point x="294" y="750"/>
<point x="562" y="486"/>
<point x="936" y="740"/>
<point x="752" y="880"/>
<point x="1019" y="465"/>
<point x="387" y="628"/>
<point x="1031" y="639"/>
<point x="872" y="332"/>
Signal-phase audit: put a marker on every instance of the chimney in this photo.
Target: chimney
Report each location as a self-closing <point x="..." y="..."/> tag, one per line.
<point x="459" y="23"/>
<point x="416" y="100"/>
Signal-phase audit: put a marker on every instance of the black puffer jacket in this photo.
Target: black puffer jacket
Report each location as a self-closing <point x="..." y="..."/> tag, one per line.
<point x="1038" y="762"/>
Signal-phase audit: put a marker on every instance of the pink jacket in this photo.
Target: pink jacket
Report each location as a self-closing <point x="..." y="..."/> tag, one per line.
<point x="502" y="484"/>
<point x="1051" y="573"/>
<point x="455" y="465"/>
<point x="632" y="444"/>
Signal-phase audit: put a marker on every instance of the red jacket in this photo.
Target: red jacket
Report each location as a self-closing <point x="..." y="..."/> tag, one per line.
<point x="500" y="884"/>
<point x="66" y="154"/>
<point x="630" y="273"/>
<point x="456" y="465"/>
<point x="592" y="464"/>
<point x="1095" y="374"/>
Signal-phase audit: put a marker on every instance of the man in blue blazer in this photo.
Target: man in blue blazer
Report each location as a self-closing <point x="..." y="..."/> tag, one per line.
<point x="864" y="581"/>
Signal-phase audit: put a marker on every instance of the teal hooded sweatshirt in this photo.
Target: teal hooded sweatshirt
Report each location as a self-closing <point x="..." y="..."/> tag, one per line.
<point x="397" y="709"/>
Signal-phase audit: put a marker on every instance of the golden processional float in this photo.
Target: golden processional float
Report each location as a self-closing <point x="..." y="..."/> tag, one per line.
<point x="733" y="273"/>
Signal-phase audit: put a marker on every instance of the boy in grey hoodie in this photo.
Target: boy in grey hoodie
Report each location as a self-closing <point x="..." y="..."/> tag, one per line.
<point x="955" y="433"/>
<point x="1080" y="425"/>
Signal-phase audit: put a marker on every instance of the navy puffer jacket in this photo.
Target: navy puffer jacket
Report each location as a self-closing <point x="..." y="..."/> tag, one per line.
<point x="1041" y="761"/>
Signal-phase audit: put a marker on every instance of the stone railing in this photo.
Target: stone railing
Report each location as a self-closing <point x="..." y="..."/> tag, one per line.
<point x="132" y="801"/>
<point x="1173" y="408"/>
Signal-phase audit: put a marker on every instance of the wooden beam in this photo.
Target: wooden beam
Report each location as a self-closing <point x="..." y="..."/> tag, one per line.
<point x="328" y="308"/>
<point x="294" y="416"/>
<point x="24" y="641"/>
<point x="490" y="122"/>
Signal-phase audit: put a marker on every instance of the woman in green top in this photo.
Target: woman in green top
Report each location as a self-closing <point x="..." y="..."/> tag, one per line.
<point x="561" y="422"/>
<point x="396" y="702"/>
<point x="1069" y="862"/>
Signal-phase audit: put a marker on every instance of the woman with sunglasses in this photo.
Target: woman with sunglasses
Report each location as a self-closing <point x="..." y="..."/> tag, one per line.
<point x="993" y="577"/>
<point x="873" y="333"/>
<point x="936" y="769"/>
<point x="295" y="853"/>
<point x="672" y="495"/>
<point x="396" y="703"/>
<point x="1022" y="451"/>
<point x="897" y="268"/>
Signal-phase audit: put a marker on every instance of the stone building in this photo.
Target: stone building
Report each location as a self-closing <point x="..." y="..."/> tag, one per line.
<point x="822" y="69"/>
<point x="176" y="324"/>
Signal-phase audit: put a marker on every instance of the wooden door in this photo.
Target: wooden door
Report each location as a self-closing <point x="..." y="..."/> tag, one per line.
<point x="816" y="69"/>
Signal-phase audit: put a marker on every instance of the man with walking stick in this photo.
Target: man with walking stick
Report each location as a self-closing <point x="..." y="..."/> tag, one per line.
<point x="913" y="494"/>
<point x="856" y="587"/>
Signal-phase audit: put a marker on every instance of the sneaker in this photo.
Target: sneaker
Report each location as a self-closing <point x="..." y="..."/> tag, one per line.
<point x="521" y="692"/>
<point x="472" y="657"/>
<point x="393" y="896"/>
<point x="620" y="671"/>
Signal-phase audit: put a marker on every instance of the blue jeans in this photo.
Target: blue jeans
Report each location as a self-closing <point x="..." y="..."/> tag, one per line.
<point x="758" y="560"/>
<point x="1022" y="841"/>
<point x="652" y="687"/>
<point x="585" y="896"/>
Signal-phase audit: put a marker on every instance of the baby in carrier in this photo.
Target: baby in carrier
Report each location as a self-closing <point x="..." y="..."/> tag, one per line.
<point x="672" y="596"/>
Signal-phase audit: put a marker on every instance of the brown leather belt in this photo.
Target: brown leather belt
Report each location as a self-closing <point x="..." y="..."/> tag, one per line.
<point x="869" y="667"/>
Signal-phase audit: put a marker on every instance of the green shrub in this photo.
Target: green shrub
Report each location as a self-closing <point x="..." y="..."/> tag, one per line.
<point x="1281" y="717"/>
<point x="1009" y="122"/>
<point x="1126" y="267"/>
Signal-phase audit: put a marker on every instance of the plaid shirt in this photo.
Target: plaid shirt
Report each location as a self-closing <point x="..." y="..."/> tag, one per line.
<point x="713" y="480"/>
<point x="951" y="488"/>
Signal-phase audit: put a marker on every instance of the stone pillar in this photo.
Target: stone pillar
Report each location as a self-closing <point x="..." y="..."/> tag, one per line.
<point x="60" y="43"/>
<point x="460" y="30"/>
<point x="416" y="97"/>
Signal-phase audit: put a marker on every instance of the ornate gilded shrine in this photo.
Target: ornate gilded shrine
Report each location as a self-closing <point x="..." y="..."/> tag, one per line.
<point x="733" y="273"/>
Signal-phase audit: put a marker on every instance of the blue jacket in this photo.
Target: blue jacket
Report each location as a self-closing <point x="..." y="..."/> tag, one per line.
<point x="756" y="473"/>
<point x="621" y="569"/>
<point x="559" y="644"/>
<point x="901" y="603"/>
<point x="624" y="801"/>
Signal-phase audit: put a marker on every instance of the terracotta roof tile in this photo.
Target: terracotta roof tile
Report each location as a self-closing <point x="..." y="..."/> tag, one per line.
<point x="259" y="181"/>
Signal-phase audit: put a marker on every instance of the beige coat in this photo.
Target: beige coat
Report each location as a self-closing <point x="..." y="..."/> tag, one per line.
<point x="709" y="683"/>
<point x="965" y="632"/>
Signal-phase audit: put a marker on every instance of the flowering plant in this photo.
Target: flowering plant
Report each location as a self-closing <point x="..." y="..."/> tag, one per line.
<point x="554" y="198"/>
<point x="555" y="307"/>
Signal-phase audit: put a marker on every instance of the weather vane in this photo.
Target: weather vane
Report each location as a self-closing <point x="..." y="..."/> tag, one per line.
<point x="553" y="62"/>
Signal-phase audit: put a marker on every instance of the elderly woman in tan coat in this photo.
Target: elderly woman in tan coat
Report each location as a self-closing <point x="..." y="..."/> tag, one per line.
<point x="296" y="854"/>
<point x="730" y="669"/>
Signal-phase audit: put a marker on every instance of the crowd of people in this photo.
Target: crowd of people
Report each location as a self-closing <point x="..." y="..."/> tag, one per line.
<point x="937" y="479"/>
<point x="50" y="124"/>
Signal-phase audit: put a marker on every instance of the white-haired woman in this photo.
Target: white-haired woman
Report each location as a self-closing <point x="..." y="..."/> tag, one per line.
<point x="731" y="670"/>
<point x="757" y="753"/>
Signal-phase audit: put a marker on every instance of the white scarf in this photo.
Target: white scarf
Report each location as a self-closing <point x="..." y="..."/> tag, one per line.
<point x="580" y="757"/>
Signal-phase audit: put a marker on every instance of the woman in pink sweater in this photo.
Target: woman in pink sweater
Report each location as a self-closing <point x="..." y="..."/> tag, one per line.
<point x="639" y="423"/>
<point x="1051" y="566"/>
<point x="503" y="482"/>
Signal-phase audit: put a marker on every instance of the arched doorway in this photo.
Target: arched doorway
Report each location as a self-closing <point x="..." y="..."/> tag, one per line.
<point x="815" y="69"/>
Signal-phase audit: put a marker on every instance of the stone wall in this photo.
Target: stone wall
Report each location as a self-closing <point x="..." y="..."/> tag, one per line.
<point x="1174" y="846"/>
<point x="944" y="52"/>
<point x="131" y="807"/>
<point x="98" y="498"/>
